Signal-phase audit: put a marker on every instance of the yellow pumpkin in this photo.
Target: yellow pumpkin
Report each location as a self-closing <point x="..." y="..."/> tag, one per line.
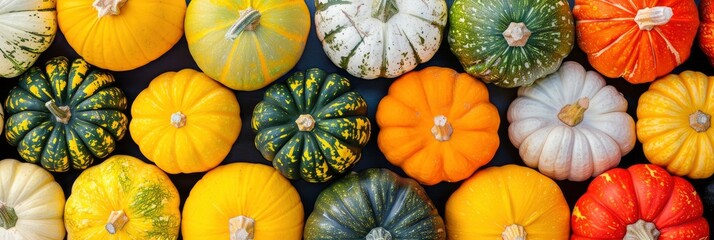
<point x="121" y="35"/>
<point x="185" y="122"/>
<point x="243" y="201"/>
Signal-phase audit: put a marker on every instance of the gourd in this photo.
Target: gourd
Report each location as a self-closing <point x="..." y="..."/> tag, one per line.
<point x="708" y="198"/>
<point x="121" y="35"/>
<point x="437" y="125"/>
<point x="674" y="118"/>
<point x="64" y="116"/>
<point x="123" y="198"/>
<point x="185" y="122"/>
<point x="636" y="40"/>
<point x="706" y="29"/>
<point x="509" y="202"/>
<point x="374" y="204"/>
<point x="243" y="201"/>
<point x="570" y="124"/>
<point x="2" y="119"/>
<point x="380" y="38"/>
<point x="510" y="43"/>
<point x="640" y="202"/>
<point x="31" y="203"/>
<point x="246" y="45"/>
<point x="312" y="126"/>
<point x="29" y="28"/>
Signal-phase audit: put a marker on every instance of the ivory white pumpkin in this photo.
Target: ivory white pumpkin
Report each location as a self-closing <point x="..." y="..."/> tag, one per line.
<point x="380" y="38"/>
<point x="570" y="125"/>
<point x="28" y="28"/>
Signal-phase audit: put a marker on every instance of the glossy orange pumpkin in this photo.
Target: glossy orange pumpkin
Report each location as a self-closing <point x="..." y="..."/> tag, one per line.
<point x="706" y="29"/>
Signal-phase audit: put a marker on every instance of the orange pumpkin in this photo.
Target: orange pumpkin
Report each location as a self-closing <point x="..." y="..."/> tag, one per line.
<point x="437" y="125"/>
<point x="706" y="29"/>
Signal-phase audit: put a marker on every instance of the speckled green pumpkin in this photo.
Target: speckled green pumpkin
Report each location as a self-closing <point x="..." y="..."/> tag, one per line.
<point x="66" y="115"/>
<point x="374" y="204"/>
<point x="312" y="126"/>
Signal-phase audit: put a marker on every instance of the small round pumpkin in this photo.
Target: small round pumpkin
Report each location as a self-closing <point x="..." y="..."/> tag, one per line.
<point x="185" y="122"/>
<point x="28" y="28"/>
<point x="706" y="29"/>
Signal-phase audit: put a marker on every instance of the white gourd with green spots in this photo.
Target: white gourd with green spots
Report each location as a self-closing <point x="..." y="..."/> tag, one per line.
<point x="27" y="29"/>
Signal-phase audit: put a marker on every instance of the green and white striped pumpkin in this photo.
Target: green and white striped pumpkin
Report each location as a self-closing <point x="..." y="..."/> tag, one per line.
<point x="28" y="28"/>
<point x="380" y="38"/>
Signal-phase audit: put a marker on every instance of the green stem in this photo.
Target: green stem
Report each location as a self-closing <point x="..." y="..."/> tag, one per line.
<point x="384" y="10"/>
<point x="8" y="217"/>
<point x="249" y="19"/>
<point x="62" y="114"/>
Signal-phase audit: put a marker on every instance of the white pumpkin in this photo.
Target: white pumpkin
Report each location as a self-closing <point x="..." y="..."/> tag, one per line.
<point x="380" y="38"/>
<point x="570" y="125"/>
<point x="28" y="28"/>
<point x="31" y="203"/>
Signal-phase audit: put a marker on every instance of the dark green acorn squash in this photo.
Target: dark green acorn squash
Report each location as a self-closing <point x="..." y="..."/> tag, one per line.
<point x="708" y="199"/>
<point x="312" y="126"/>
<point x="374" y="204"/>
<point x="65" y="117"/>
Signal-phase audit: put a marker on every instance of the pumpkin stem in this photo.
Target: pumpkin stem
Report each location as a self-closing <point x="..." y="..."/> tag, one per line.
<point x="241" y="228"/>
<point x="378" y="233"/>
<point x="442" y="129"/>
<point x="105" y="7"/>
<point x="384" y="9"/>
<point x="700" y="121"/>
<point x="516" y="34"/>
<point x="249" y="20"/>
<point x="648" y="18"/>
<point x="514" y="232"/>
<point x="572" y="114"/>
<point x="62" y="114"/>
<point x="641" y="230"/>
<point x="305" y="122"/>
<point x="116" y="221"/>
<point x="8" y="217"/>
<point x="178" y="119"/>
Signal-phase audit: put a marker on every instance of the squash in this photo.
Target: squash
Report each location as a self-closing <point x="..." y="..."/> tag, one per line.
<point x="121" y="35"/>
<point x="437" y="125"/>
<point x="29" y="26"/>
<point x="312" y="126"/>
<point x="636" y="40"/>
<point x="380" y="38"/>
<point x="571" y="125"/>
<point x="66" y="115"/>
<point x="123" y="198"/>
<point x="185" y="122"/>
<point x="243" y="201"/>
<point x="510" y="202"/>
<point x="374" y="204"/>
<point x="244" y="44"/>
<point x="2" y="119"/>
<point x="707" y="194"/>
<point x="674" y="118"/>
<point x="640" y="202"/>
<point x="706" y="29"/>
<point x="31" y="203"/>
<point x="511" y="43"/>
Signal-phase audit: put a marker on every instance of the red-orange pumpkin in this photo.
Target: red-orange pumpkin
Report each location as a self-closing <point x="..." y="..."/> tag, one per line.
<point x="706" y="29"/>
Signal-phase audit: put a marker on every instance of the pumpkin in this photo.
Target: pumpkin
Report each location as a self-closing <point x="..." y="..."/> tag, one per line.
<point x="246" y="45"/>
<point x="437" y="125"/>
<point x="571" y="125"/>
<point x="31" y="203"/>
<point x="29" y="28"/>
<point x="312" y="126"/>
<point x="640" y="202"/>
<point x="123" y="198"/>
<point x="511" y="43"/>
<point x="121" y="35"/>
<point x="379" y="38"/>
<point x="706" y="29"/>
<point x="243" y="201"/>
<point x="2" y="119"/>
<point x="374" y="204"/>
<point x="674" y="116"/>
<point x="66" y="115"/>
<point x="636" y="40"/>
<point x="185" y="122"/>
<point x="708" y="198"/>
<point x="510" y="202"/>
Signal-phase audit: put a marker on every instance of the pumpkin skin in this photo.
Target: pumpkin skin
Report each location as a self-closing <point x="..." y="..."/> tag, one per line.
<point x="706" y="29"/>
<point x="491" y="45"/>
<point x="269" y="42"/>
<point x="312" y="126"/>
<point x="641" y="199"/>
<point x="93" y="123"/>
<point x="379" y="38"/>
<point x="249" y="190"/>
<point x="123" y="183"/>
<point x="545" y="124"/>
<point x="127" y="36"/>
<point x="708" y="198"/>
<point x="617" y="46"/>
<point x="437" y="125"/>
<point x="30" y="27"/>
<point x="674" y="115"/>
<point x="185" y="122"/>
<point x="372" y="204"/>
<point x="32" y="198"/>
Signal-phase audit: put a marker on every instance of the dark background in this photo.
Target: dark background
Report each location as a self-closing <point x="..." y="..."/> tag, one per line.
<point x="132" y="82"/>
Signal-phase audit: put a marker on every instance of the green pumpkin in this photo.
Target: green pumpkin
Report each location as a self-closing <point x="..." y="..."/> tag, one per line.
<point x="312" y="126"/>
<point x="374" y="204"/>
<point x="65" y="117"/>
<point x="708" y="198"/>
<point x="511" y="43"/>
